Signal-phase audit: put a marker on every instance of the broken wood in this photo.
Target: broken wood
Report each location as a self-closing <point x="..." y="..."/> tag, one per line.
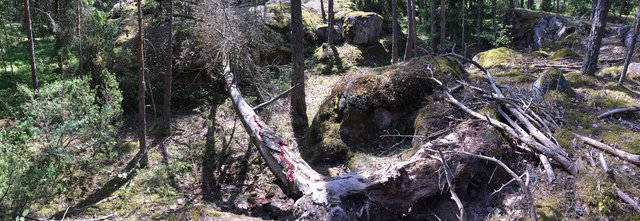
<point x="627" y="199"/>
<point x="452" y="187"/>
<point x="633" y="158"/>
<point x="285" y="93"/>
<point x="618" y="111"/>
<point x="556" y="66"/>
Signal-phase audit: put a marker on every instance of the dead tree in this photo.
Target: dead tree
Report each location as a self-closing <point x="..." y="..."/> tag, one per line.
<point x="142" y="128"/>
<point x="166" y="110"/>
<point x="631" y="48"/>
<point x="590" y="62"/>
<point x="32" y="57"/>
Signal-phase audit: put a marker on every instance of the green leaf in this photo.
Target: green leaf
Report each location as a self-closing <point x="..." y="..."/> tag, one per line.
<point x="25" y="212"/>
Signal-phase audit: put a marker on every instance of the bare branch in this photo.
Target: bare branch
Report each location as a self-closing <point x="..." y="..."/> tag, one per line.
<point x="617" y="111"/>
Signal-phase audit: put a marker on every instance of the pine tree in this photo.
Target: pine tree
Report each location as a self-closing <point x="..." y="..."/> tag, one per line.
<point x="590" y="62"/>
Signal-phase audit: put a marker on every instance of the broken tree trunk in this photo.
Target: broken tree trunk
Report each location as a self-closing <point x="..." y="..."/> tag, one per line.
<point x="395" y="188"/>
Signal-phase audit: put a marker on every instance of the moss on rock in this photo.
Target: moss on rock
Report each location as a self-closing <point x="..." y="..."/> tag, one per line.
<point x="539" y="54"/>
<point x="497" y="58"/>
<point x="564" y="53"/>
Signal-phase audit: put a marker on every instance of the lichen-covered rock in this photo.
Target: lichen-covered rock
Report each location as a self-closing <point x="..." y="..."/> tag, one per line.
<point x="363" y="105"/>
<point x="628" y="38"/>
<point x="322" y="32"/>
<point x="633" y="71"/>
<point x="498" y="58"/>
<point x="430" y="119"/>
<point x="535" y="29"/>
<point x="362" y="28"/>
<point x="549" y="80"/>
<point x="564" y="53"/>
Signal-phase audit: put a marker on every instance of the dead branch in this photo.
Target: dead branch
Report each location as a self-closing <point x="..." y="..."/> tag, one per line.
<point x="452" y="187"/>
<point x="285" y="93"/>
<point x="110" y="216"/>
<point x="617" y="111"/>
<point x="633" y="158"/>
<point x="547" y="167"/>
<point x="626" y="198"/>
<point x="523" y="185"/>
<point x="557" y="66"/>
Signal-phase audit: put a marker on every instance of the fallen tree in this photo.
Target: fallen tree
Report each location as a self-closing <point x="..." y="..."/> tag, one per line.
<point x="345" y="197"/>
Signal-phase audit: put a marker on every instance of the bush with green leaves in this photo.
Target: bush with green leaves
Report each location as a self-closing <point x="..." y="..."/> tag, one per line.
<point x="65" y="136"/>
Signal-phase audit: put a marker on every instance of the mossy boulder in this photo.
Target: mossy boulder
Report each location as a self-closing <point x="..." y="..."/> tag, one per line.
<point x="539" y="54"/>
<point x="322" y="33"/>
<point x="549" y="80"/>
<point x="279" y="19"/>
<point x="362" y="28"/>
<point x="429" y="119"/>
<point x="363" y="105"/>
<point x="536" y="29"/>
<point x="497" y="58"/>
<point x="564" y="53"/>
<point x="335" y="59"/>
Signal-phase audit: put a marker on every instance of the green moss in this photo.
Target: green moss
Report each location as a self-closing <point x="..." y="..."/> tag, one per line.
<point x="564" y="53"/>
<point x="577" y="80"/>
<point x="626" y="139"/>
<point x="565" y="137"/>
<point x="539" y="54"/>
<point x="281" y="20"/>
<point x="549" y="208"/>
<point x="129" y="146"/>
<point x="336" y="59"/>
<point x="499" y="57"/>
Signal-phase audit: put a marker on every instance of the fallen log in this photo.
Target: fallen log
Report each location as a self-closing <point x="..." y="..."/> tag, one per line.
<point x="617" y="111"/>
<point x="633" y="158"/>
<point x="396" y="188"/>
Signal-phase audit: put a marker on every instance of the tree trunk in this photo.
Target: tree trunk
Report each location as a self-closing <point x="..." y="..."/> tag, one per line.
<point x="80" y="58"/>
<point x="631" y="48"/>
<point x="464" y="52"/>
<point x="166" y="112"/>
<point x="557" y="6"/>
<point x="394" y="42"/>
<point x="442" y="25"/>
<point x="590" y="62"/>
<point x="414" y="35"/>
<point x="331" y="23"/>
<point x="624" y="5"/>
<point x="511" y="5"/>
<point x="409" y="46"/>
<point x="298" y="103"/>
<point x="32" y="57"/>
<point x="6" y="39"/>
<point x="493" y="19"/>
<point x="521" y="3"/>
<point x="530" y="4"/>
<point x="142" y="130"/>
<point x="594" y="3"/>
<point x="432" y="19"/>
<point x="479" y="19"/>
<point x="324" y="17"/>
<point x="58" y="35"/>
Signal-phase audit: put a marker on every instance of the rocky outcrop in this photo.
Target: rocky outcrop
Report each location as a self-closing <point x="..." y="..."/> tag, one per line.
<point x="549" y="80"/>
<point x="534" y="30"/>
<point x="363" y="106"/>
<point x="356" y="27"/>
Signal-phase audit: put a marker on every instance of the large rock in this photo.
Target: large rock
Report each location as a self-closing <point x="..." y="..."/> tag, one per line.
<point x="322" y="32"/>
<point x="628" y="38"/>
<point x="535" y="30"/>
<point x="633" y="70"/>
<point x="549" y="80"/>
<point x="362" y="28"/>
<point x="497" y="58"/>
<point x="362" y="106"/>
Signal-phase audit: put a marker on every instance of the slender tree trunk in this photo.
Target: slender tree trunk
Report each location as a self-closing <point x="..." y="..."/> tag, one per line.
<point x="521" y="3"/>
<point x="493" y="19"/>
<point x="394" y="42"/>
<point x="557" y="6"/>
<point x="166" y="113"/>
<point x="409" y="46"/>
<point x="442" y="25"/>
<point x="511" y="5"/>
<point x="631" y="48"/>
<point x="142" y="130"/>
<point x="479" y="19"/>
<point x="331" y="24"/>
<point x="58" y="35"/>
<point x="432" y="19"/>
<point x="530" y="4"/>
<point x="80" y="58"/>
<point x="624" y="5"/>
<point x="590" y="62"/>
<point x="594" y="3"/>
<point x="3" y="56"/>
<point x="422" y="7"/>
<point x="298" y="103"/>
<point x="324" y="17"/>
<point x="414" y="35"/>
<point x="6" y="39"/>
<point x="464" y="52"/>
<point x="32" y="57"/>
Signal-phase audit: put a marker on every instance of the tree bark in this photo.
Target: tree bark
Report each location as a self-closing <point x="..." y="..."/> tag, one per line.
<point x="479" y="19"/>
<point x="142" y="128"/>
<point x="78" y="26"/>
<point x="432" y="19"/>
<point x="330" y="29"/>
<point x="624" y="5"/>
<point x="32" y="57"/>
<point x="511" y="5"/>
<point x="442" y="25"/>
<point x="493" y="19"/>
<point x="521" y="3"/>
<point x="590" y="62"/>
<point x="298" y="103"/>
<point x="166" y="112"/>
<point x="394" y="41"/>
<point x="530" y="4"/>
<point x="414" y="35"/>
<point x="464" y="51"/>
<point x="409" y="46"/>
<point x="631" y="48"/>
<point x="324" y="16"/>
<point x="58" y="35"/>
<point x="594" y="3"/>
